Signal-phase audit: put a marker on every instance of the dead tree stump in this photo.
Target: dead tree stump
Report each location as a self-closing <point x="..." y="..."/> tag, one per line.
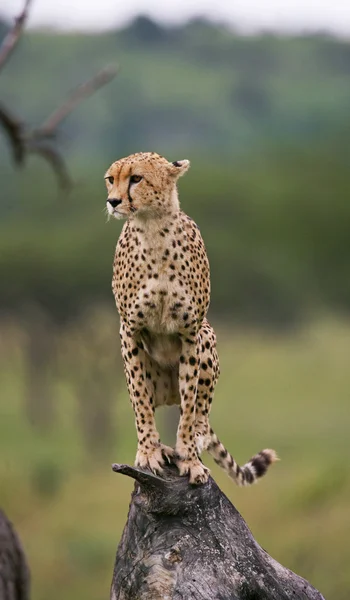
<point x="14" y="572"/>
<point x="183" y="542"/>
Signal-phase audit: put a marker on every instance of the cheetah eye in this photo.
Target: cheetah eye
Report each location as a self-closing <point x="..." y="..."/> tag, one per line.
<point x="135" y="178"/>
<point x="110" y="179"/>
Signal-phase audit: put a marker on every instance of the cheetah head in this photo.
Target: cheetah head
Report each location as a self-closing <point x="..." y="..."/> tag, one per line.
<point x="143" y="185"/>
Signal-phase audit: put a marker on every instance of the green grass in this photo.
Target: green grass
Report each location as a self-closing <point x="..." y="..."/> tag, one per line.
<point x="290" y="393"/>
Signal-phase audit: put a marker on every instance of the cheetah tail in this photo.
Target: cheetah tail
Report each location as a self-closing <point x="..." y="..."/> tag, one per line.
<point x="256" y="467"/>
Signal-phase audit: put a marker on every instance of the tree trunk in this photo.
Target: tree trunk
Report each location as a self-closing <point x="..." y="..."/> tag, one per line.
<point x="183" y="542"/>
<point x="14" y="573"/>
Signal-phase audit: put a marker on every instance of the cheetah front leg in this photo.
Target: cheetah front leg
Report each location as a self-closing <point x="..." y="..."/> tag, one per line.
<point x="186" y="450"/>
<point x="140" y="378"/>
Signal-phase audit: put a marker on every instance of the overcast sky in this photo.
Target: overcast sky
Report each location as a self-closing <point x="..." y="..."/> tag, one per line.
<point x="248" y="15"/>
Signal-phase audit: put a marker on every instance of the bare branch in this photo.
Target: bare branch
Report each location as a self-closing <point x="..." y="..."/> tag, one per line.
<point x="14" y="130"/>
<point x="25" y="140"/>
<point x="80" y="93"/>
<point x="56" y="161"/>
<point x="24" y="143"/>
<point x="11" y="39"/>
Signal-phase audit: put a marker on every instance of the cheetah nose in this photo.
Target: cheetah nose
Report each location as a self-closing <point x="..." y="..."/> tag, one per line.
<point x="114" y="203"/>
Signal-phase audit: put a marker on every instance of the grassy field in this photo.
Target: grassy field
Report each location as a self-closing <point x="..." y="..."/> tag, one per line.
<point x="290" y="393"/>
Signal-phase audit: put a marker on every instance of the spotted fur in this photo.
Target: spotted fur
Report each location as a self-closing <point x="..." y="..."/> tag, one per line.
<point x="161" y="284"/>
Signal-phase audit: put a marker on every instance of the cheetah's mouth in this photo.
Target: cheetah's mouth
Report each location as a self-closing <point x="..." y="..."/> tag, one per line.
<point x="115" y="212"/>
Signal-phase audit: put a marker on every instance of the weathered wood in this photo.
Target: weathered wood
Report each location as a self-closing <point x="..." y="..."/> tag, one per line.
<point x="184" y="542"/>
<point x="14" y="572"/>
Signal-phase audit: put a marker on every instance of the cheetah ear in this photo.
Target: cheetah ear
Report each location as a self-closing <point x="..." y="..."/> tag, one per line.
<point x="179" y="167"/>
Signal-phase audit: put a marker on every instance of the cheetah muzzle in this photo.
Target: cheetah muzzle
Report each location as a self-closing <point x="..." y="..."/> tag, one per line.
<point x="161" y="285"/>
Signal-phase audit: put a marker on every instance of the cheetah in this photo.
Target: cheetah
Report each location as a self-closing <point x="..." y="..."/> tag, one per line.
<point x="161" y="285"/>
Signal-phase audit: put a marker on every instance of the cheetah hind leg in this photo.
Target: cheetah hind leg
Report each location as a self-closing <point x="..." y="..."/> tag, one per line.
<point x="197" y="472"/>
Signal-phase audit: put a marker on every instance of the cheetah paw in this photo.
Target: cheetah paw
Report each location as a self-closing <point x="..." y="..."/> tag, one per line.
<point x="198" y="473"/>
<point x="153" y="458"/>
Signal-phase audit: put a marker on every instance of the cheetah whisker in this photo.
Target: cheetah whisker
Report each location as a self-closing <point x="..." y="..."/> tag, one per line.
<point x="105" y="211"/>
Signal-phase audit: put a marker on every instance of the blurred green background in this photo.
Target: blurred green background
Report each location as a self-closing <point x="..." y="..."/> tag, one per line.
<point x="265" y="123"/>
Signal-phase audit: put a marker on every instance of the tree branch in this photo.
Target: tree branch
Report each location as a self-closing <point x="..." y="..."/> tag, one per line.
<point x="24" y="140"/>
<point x="39" y="141"/>
<point x="14" y="130"/>
<point x="12" y="38"/>
<point x="47" y="129"/>
<point x="55" y="160"/>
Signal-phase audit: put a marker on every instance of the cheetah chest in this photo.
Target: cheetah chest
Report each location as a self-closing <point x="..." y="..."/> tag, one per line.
<point x="158" y="304"/>
<point x="156" y="283"/>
